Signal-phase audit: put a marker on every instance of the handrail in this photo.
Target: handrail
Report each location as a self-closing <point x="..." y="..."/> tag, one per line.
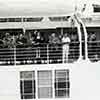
<point x="93" y="41"/>
<point x="29" y="53"/>
<point x="26" y="46"/>
<point x="48" y="53"/>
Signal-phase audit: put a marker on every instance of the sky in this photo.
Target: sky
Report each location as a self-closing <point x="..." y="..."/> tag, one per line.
<point x="40" y="7"/>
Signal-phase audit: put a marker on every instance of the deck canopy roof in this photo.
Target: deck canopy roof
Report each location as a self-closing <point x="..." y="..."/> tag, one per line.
<point x="36" y="7"/>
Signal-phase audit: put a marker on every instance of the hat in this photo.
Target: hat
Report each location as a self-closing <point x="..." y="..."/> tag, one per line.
<point x="7" y="34"/>
<point x="35" y="31"/>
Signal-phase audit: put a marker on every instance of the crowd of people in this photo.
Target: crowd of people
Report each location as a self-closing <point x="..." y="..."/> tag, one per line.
<point x="58" y="45"/>
<point x="9" y="40"/>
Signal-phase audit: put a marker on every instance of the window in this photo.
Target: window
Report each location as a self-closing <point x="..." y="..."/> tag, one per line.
<point x="44" y="84"/>
<point x="14" y="19"/>
<point x="10" y="19"/>
<point x="37" y="19"/>
<point x="61" y="83"/>
<point x="27" y="84"/>
<point x="63" y="18"/>
<point x="3" y="19"/>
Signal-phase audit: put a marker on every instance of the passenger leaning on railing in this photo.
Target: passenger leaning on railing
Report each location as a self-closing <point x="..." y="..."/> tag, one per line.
<point x="93" y="47"/>
<point x="65" y="40"/>
<point x="21" y="41"/>
<point x="8" y="44"/>
<point x="92" y="44"/>
<point x="53" y="39"/>
<point x="7" y="40"/>
<point x="74" y="46"/>
<point x="54" y="47"/>
<point x="21" y="48"/>
<point x="38" y="40"/>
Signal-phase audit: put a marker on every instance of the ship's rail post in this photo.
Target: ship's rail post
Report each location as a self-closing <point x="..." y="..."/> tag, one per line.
<point x="47" y="53"/>
<point x="14" y="50"/>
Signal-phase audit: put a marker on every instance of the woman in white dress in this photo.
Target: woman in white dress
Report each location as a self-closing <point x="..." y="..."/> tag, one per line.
<point x="65" y="40"/>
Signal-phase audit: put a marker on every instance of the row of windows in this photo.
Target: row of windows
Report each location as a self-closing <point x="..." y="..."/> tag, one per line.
<point x="10" y="19"/>
<point x="38" y="19"/>
<point x="46" y="85"/>
<point x="31" y="19"/>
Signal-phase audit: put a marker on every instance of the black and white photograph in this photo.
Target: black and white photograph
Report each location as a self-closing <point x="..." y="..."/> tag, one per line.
<point x="49" y="49"/>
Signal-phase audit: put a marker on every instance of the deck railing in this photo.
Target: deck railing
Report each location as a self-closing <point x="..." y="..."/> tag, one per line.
<point x="46" y="53"/>
<point x="43" y="53"/>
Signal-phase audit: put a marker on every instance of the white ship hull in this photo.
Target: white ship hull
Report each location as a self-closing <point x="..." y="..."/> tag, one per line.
<point x="84" y="80"/>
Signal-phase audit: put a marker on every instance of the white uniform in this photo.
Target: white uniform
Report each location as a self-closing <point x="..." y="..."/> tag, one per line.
<point x="65" y="40"/>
